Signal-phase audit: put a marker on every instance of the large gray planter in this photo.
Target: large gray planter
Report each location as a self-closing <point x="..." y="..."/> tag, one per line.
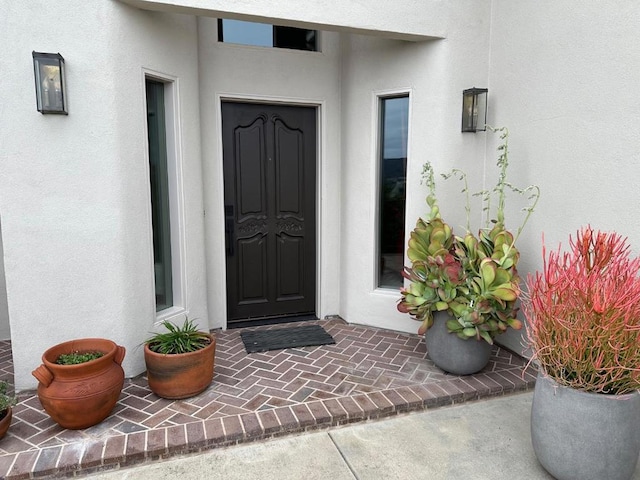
<point x="453" y="354"/>
<point x="586" y="436"/>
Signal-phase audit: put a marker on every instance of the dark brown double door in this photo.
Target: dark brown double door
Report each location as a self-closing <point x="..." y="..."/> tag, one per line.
<point x="269" y="154"/>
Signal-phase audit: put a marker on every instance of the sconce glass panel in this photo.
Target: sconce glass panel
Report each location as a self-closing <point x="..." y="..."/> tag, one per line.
<point x="474" y="110"/>
<point x="50" y="88"/>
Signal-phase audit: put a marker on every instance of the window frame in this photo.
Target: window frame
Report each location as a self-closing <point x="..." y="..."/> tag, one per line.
<point x="379" y="111"/>
<point x="175" y="194"/>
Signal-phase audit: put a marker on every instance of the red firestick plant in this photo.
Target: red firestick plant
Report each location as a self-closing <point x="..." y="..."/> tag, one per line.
<point x="583" y="314"/>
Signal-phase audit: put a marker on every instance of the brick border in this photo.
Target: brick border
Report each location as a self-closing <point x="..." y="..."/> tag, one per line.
<point x="139" y="447"/>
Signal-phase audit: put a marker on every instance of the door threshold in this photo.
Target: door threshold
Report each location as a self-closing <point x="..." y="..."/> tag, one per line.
<point x="258" y="322"/>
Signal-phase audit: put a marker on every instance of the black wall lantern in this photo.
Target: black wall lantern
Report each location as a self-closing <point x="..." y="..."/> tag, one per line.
<point x="474" y="110"/>
<point x="50" y="89"/>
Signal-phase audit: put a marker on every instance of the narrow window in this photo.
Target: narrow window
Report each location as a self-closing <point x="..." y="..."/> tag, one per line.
<point x="159" y="179"/>
<point x="265" y="35"/>
<point x="394" y="120"/>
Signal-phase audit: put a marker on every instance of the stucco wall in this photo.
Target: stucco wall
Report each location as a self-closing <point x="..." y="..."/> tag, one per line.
<point x="435" y="73"/>
<point x="5" y="330"/>
<point x="271" y="75"/>
<point x="74" y="193"/>
<point x="565" y="80"/>
<point x="74" y="190"/>
<point x="400" y="19"/>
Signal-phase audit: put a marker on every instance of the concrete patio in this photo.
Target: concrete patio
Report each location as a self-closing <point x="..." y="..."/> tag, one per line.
<point x="484" y="440"/>
<point x="368" y="374"/>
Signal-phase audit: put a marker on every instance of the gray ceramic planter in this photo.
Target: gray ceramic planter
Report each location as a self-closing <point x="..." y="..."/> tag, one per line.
<point x="451" y="353"/>
<point x="586" y="436"/>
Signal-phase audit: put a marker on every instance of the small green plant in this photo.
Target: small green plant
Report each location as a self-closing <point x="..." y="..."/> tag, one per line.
<point x="177" y="339"/>
<point x="74" y="358"/>
<point x="6" y="401"/>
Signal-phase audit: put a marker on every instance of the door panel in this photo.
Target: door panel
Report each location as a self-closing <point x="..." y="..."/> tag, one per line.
<point x="289" y="172"/>
<point x="250" y="177"/>
<point x="269" y="154"/>
<point x="252" y="281"/>
<point x="290" y="254"/>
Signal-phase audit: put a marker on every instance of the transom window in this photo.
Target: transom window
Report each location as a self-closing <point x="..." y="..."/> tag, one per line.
<point x="266" y="35"/>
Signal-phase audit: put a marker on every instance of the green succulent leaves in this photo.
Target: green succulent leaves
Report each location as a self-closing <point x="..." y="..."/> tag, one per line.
<point x="474" y="277"/>
<point x="429" y="239"/>
<point x="476" y="281"/>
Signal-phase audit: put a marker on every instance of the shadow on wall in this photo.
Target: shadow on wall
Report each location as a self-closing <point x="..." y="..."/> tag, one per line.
<point x="5" y="331"/>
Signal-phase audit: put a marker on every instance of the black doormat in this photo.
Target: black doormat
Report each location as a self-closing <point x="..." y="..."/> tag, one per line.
<point x="305" y="336"/>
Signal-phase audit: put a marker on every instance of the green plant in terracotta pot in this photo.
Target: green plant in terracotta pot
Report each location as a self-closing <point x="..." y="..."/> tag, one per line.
<point x="465" y="285"/>
<point x="180" y="360"/>
<point x="7" y="402"/>
<point x="79" y="381"/>
<point x="75" y="358"/>
<point x="583" y="326"/>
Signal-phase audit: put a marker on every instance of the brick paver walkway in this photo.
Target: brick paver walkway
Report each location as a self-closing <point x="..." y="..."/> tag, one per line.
<point x="369" y="373"/>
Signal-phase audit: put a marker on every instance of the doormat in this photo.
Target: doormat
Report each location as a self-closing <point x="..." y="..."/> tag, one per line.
<point x="305" y="336"/>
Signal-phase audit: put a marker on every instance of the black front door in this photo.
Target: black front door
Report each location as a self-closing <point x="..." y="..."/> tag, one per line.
<point x="269" y="154"/>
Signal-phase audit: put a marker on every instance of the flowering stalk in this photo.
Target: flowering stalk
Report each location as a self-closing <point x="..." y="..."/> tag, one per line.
<point x="583" y="313"/>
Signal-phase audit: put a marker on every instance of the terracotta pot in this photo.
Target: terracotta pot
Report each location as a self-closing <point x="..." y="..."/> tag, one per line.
<point x="82" y="395"/>
<point x="453" y="354"/>
<point x="181" y="375"/>
<point x="5" y="422"/>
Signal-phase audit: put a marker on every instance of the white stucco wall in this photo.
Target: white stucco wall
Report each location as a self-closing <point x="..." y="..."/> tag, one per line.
<point x="272" y="75"/>
<point x="74" y="196"/>
<point x="5" y="330"/>
<point x="435" y="73"/>
<point x="564" y="79"/>
<point x="399" y="19"/>
<point x="74" y="190"/>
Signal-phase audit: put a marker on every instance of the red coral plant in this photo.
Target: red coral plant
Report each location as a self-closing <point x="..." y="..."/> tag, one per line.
<point x="583" y="313"/>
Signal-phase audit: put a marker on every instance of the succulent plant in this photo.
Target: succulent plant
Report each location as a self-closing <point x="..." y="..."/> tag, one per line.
<point x="474" y="277"/>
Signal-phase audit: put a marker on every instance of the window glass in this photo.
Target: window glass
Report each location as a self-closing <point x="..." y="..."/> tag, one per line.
<point x="159" y="179"/>
<point x="246" y="33"/>
<point x="394" y="123"/>
<point x="266" y="35"/>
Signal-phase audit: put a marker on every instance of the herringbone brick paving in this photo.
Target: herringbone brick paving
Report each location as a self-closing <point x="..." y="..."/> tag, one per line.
<point x="369" y="373"/>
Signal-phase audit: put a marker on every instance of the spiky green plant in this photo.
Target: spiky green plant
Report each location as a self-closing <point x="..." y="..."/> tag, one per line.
<point x="474" y="278"/>
<point x="176" y="339"/>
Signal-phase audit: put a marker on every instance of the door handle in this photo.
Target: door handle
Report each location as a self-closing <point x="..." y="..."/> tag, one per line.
<point x="229" y="222"/>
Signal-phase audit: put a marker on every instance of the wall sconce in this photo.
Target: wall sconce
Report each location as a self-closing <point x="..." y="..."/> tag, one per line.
<point x="474" y="110"/>
<point x="50" y="88"/>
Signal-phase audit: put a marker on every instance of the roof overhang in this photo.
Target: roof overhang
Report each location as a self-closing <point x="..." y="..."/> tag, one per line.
<point x="410" y="20"/>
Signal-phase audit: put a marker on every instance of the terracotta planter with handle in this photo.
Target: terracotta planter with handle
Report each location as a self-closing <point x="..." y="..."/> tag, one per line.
<point x="180" y="375"/>
<point x="82" y="395"/>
